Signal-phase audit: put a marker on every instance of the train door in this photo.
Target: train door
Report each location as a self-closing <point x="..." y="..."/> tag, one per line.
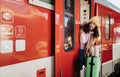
<point x="106" y="38"/>
<point x="66" y="37"/>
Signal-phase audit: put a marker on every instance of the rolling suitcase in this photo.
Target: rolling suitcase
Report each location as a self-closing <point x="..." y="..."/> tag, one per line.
<point x="93" y="67"/>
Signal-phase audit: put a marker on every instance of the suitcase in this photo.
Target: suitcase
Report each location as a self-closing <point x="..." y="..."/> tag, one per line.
<point x="93" y="67"/>
<point x="112" y="74"/>
<point x="117" y="70"/>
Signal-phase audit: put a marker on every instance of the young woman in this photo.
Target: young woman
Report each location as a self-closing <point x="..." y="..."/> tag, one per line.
<point x="88" y="36"/>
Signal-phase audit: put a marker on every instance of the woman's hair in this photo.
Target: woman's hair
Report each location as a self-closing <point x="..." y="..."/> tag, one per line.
<point x="95" y="32"/>
<point x="86" y="29"/>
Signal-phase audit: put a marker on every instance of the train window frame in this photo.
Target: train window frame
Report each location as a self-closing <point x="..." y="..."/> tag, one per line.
<point x="42" y="3"/>
<point x="73" y="30"/>
<point x="107" y="27"/>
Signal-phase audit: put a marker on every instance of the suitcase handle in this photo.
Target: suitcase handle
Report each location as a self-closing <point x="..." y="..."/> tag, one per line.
<point x="92" y="64"/>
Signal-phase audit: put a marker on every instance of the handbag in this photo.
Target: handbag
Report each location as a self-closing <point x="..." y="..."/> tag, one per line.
<point x="86" y="50"/>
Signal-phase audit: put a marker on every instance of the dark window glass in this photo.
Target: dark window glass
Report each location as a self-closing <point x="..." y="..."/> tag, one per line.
<point x="48" y="1"/>
<point x="69" y="25"/>
<point x="107" y="27"/>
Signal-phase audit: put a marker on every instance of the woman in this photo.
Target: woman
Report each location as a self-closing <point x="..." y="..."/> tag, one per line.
<point x="88" y="36"/>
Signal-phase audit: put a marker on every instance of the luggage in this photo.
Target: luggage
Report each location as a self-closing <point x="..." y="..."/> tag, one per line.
<point x="112" y="74"/>
<point x="93" y="67"/>
<point x="117" y="70"/>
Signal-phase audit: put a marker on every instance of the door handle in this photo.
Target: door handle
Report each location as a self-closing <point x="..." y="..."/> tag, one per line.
<point x="61" y="73"/>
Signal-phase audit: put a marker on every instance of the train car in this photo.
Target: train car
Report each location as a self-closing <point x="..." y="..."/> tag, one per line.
<point x="109" y="15"/>
<point x="41" y="38"/>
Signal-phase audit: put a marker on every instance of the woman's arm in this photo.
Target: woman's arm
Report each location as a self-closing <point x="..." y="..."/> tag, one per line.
<point x="82" y="38"/>
<point x="93" y="41"/>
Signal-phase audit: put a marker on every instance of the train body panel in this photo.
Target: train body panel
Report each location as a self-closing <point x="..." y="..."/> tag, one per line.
<point x="25" y="36"/>
<point x="34" y="68"/>
<point x="29" y="27"/>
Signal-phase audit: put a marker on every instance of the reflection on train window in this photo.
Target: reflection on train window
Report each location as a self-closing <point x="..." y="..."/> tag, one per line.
<point x="48" y="4"/>
<point x="107" y="27"/>
<point x="69" y="25"/>
<point x="48" y="1"/>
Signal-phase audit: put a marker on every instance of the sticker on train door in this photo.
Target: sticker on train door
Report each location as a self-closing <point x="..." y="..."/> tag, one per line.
<point x="20" y="45"/>
<point x="6" y="31"/>
<point x="7" y="16"/>
<point x="20" y="31"/>
<point x="6" y="46"/>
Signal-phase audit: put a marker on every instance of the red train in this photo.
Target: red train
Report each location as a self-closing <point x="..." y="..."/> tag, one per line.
<point x="40" y="38"/>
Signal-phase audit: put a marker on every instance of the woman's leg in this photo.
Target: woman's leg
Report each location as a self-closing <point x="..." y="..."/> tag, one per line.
<point x="81" y="58"/>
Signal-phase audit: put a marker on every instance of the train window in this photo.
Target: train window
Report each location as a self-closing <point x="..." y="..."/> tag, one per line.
<point x="68" y="25"/>
<point x="48" y="1"/>
<point x="107" y="27"/>
<point x="48" y="4"/>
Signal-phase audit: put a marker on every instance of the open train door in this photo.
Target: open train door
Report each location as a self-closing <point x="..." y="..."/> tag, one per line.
<point x="67" y="17"/>
<point x="106" y="38"/>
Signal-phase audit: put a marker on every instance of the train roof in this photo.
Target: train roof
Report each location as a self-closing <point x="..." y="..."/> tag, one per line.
<point x="113" y="4"/>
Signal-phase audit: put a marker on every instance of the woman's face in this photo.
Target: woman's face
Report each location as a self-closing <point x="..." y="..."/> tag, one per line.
<point x="92" y="25"/>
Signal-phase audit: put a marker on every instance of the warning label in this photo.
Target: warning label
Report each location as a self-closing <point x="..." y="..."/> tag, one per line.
<point x="20" y="45"/>
<point x="7" y="16"/>
<point x="20" y="31"/>
<point x="6" y="46"/>
<point x="6" y="31"/>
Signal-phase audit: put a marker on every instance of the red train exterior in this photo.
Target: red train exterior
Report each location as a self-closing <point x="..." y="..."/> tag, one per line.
<point x="27" y="39"/>
<point x="41" y="38"/>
